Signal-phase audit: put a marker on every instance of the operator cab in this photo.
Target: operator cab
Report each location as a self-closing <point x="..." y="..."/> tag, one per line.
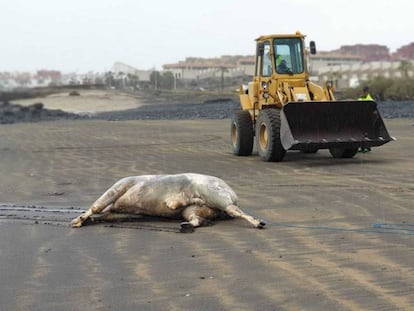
<point x="288" y="55"/>
<point x="283" y="54"/>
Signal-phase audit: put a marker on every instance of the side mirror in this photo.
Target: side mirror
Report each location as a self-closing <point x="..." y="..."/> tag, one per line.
<point x="312" y="46"/>
<point x="260" y="49"/>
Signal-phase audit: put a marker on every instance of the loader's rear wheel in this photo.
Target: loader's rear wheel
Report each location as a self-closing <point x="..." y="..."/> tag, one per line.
<point x="242" y="136"/>
<point x="268" y="141"/>
<point x="343" y="153"/>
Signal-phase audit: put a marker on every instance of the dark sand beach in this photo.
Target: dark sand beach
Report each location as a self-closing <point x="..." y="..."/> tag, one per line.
<point x="339" y="232"/>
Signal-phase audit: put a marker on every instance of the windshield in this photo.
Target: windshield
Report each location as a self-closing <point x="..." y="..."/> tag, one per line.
<point x="288" y="55"/>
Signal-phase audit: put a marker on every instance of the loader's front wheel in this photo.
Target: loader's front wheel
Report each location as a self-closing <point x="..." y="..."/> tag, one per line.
<point x="344" y="153"/>
<point x="241" y="131"/>
<point x="268" y="141"/>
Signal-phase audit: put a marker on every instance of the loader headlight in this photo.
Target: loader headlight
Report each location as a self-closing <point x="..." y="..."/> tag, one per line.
<point x="264" y="85"/>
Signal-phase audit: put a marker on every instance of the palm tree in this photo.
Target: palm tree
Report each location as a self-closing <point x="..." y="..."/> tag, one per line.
<point x="405" y="67"/>
<point x="223" y="70"/>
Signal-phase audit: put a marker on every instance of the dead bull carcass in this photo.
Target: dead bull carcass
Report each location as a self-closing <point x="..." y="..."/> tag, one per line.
<point x="195" y="198"/>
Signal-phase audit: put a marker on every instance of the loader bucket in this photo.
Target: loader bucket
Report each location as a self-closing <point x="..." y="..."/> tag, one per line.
<point x="332" y="124"/>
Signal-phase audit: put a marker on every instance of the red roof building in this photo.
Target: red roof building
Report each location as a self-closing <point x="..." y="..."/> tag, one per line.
<point x="366" y="52"/>
<point x="405" y="52"/>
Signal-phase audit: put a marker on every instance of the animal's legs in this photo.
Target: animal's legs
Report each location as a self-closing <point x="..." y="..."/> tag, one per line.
<point x="109" y="197"/>
<point x="197" y="216"/>
<point x="235" y="211"/>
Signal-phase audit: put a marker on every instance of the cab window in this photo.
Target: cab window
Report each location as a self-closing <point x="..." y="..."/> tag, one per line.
<point x="288" y="55"/>
<point x="266" y="61"/>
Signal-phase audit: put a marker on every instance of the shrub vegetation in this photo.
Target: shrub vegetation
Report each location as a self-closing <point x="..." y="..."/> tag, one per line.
<point x="383" y="89"/>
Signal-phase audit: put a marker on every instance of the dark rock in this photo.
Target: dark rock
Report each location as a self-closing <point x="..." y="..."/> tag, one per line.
<point x="12" y="113"/>
<point x="162" y="110"/>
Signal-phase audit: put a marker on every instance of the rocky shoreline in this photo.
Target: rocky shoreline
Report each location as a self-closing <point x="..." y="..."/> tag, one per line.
<point x="13" y="113"/>
<point x="224" y="109"/>
<point x="209" y="109"/>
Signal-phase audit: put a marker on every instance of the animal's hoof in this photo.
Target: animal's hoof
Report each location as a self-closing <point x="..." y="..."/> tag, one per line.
<point x="186" y="227"/>
<point x="76" y="223"/>
<point x="261" y="224"/>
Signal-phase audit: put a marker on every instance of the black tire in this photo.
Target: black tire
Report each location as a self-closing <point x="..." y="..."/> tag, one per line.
<point x="241" y="132"/>
<point x="343" y="153"/>
<point x="309" y="150"/>
<point x="268" y="141"/>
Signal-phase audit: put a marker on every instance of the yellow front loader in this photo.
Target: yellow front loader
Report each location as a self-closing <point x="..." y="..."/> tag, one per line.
<point x="286" y="111"/>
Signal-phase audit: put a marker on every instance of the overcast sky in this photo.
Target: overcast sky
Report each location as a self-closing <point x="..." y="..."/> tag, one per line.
<point x="90" y="35"/>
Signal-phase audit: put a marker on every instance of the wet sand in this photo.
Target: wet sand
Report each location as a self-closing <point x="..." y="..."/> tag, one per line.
<point x="339" y="235"/>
